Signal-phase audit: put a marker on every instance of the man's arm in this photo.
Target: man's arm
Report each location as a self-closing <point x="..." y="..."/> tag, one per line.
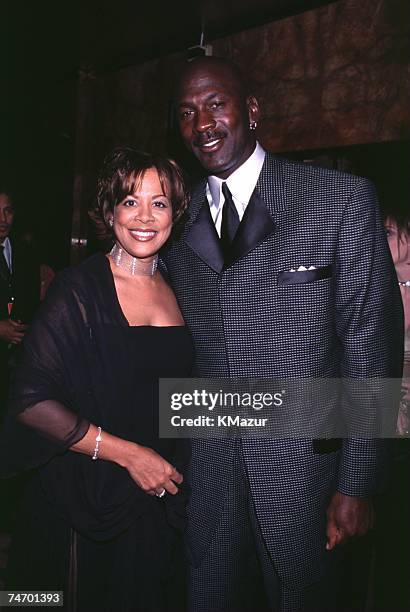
<point x="370" y="328"/>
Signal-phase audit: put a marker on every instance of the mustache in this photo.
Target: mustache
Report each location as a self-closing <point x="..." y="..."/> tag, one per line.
<point x="208" y="136"/>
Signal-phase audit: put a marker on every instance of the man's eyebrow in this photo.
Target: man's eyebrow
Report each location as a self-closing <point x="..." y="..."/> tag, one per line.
<point x="211" y="96"/>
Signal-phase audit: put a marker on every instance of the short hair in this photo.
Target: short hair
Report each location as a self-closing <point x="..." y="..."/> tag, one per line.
<point x="244" y="82"/>
<point x="8" y="191"/>
<point x="124" y="168"/>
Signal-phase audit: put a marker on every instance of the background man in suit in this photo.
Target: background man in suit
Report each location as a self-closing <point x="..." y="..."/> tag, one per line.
<point x="283" y="270"/>
<point x="19" y="290"/>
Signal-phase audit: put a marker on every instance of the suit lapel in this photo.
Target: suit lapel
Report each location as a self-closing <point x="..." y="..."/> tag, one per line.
<point x="257" y="223"/>
<point x="4" y="269"/>
<point x="201" y="235"/>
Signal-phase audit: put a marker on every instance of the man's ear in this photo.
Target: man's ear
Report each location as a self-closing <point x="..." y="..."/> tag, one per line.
<point x="253" y="108"/>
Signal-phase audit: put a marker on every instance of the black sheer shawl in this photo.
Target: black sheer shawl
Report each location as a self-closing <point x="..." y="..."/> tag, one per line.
<point x="58" y="389"/>
<point x="43" y="391"/>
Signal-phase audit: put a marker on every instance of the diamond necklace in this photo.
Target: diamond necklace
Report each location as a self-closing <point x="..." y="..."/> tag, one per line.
<point x="133" y="265"/>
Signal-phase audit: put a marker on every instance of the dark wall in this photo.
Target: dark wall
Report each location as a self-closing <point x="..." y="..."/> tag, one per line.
<point x="37" y="98"/>
<point x="333" y="77"/>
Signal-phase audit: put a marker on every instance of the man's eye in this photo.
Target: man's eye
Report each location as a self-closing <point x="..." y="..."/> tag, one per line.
<point x="185" y="114"/>
<point x="217" y="104"/>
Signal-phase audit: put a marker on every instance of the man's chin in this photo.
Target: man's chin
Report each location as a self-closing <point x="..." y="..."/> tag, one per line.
<point x="211" y="163"/>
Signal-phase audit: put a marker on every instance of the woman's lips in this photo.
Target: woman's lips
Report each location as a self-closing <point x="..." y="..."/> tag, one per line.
<point x="143" y="235"/>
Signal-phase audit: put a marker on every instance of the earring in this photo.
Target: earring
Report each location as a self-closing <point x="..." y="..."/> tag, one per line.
<point x="253" y="125"/>
<point x="110" y="222"/>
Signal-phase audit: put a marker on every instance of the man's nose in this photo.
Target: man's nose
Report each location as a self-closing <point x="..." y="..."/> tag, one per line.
<point x="3" y="216"/>
<point x="204" y="121"/>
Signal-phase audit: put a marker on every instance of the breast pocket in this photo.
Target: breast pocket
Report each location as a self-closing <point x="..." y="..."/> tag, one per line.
<point x="304" y="276"/>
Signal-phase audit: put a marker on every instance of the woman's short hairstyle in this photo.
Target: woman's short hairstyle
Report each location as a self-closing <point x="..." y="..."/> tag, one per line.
<point x="122" y="171"/>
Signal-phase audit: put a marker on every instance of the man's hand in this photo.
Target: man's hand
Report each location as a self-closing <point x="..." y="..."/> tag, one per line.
<point x="11" y="331"/>
<point x="347" y="517"/>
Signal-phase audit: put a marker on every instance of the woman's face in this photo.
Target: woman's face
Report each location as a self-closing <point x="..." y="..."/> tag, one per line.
<point x="143" y="220"/>
<point x="399" y="243"/>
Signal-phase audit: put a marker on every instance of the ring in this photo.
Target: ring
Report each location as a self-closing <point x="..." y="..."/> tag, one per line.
<point x="161" y="494"/>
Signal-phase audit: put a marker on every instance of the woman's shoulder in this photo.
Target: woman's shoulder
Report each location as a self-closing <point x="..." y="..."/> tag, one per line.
<point x="94" y="267"/>
<point x="84" y="281"/>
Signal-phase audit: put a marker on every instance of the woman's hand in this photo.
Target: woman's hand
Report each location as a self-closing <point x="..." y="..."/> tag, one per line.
<point x="151" y="472"/>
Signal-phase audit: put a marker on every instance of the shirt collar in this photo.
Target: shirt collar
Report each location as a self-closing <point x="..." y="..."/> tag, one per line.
<point x="242" y="182"/>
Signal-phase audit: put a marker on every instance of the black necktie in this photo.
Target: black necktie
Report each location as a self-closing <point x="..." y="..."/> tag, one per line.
<point x="230" y="219"/>
<point x="4" y="269"/>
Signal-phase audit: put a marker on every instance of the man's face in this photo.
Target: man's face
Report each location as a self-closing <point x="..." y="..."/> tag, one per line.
<point x="214" y="117"/>
<point x="6" y="216"/>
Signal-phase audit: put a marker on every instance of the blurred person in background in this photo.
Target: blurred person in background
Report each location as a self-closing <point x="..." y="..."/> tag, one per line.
<point x="19" y="290"/>
<point x="398" y="236"/>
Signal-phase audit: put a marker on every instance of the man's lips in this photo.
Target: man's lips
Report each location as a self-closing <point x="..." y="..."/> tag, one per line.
<point x="209" y="142"/>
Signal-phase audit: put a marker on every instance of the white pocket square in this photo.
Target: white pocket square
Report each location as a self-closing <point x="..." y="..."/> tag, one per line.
<point x="303" y="269"/>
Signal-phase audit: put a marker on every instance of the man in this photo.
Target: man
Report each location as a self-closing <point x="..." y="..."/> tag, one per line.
<point x="19" y="291"/>
<point x="282" y="271"/>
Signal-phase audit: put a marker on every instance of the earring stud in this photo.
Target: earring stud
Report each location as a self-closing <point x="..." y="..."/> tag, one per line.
<point x="110" y="222"/>
<point x="253" y="125"/>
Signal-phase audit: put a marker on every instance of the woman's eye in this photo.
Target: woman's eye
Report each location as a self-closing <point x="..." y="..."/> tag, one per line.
<point x="129" y="203"/>
<point x="390" y="232"/>
<point x="160" y="204"/>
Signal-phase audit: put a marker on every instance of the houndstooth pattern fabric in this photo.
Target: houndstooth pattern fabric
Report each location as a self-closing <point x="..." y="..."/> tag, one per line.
<point x="245" y="323"/>
<point x="231" y="564"/>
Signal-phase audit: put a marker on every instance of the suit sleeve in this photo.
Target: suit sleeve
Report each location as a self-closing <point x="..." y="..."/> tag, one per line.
<point x="369" y="324"/>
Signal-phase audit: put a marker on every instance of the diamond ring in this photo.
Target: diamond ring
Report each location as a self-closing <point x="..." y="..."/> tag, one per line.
<point x="161" y="494"/>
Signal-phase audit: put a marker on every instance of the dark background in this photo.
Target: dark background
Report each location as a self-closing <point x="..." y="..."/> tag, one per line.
<point x="46" y="45"/>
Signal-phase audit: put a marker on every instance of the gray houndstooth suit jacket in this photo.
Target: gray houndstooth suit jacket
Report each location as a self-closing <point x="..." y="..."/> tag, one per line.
<point x="249" y="317"/>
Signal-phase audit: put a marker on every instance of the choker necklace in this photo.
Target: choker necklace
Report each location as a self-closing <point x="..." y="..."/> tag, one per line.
<point x="133" y="265"/>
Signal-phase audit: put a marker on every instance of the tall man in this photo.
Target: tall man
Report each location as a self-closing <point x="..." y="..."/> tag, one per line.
<point x="282" y="271"/>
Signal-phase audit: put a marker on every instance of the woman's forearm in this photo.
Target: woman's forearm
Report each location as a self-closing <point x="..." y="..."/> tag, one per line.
<point x="149" y="470"/>
<point x="110" y="448"/>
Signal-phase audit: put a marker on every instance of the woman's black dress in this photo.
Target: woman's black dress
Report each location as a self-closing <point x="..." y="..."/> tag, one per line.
<point x="86" y="528"/>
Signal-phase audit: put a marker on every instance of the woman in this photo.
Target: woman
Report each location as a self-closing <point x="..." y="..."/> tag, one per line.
<point x="398" y="236"/>
<point x="103" y="510"/>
